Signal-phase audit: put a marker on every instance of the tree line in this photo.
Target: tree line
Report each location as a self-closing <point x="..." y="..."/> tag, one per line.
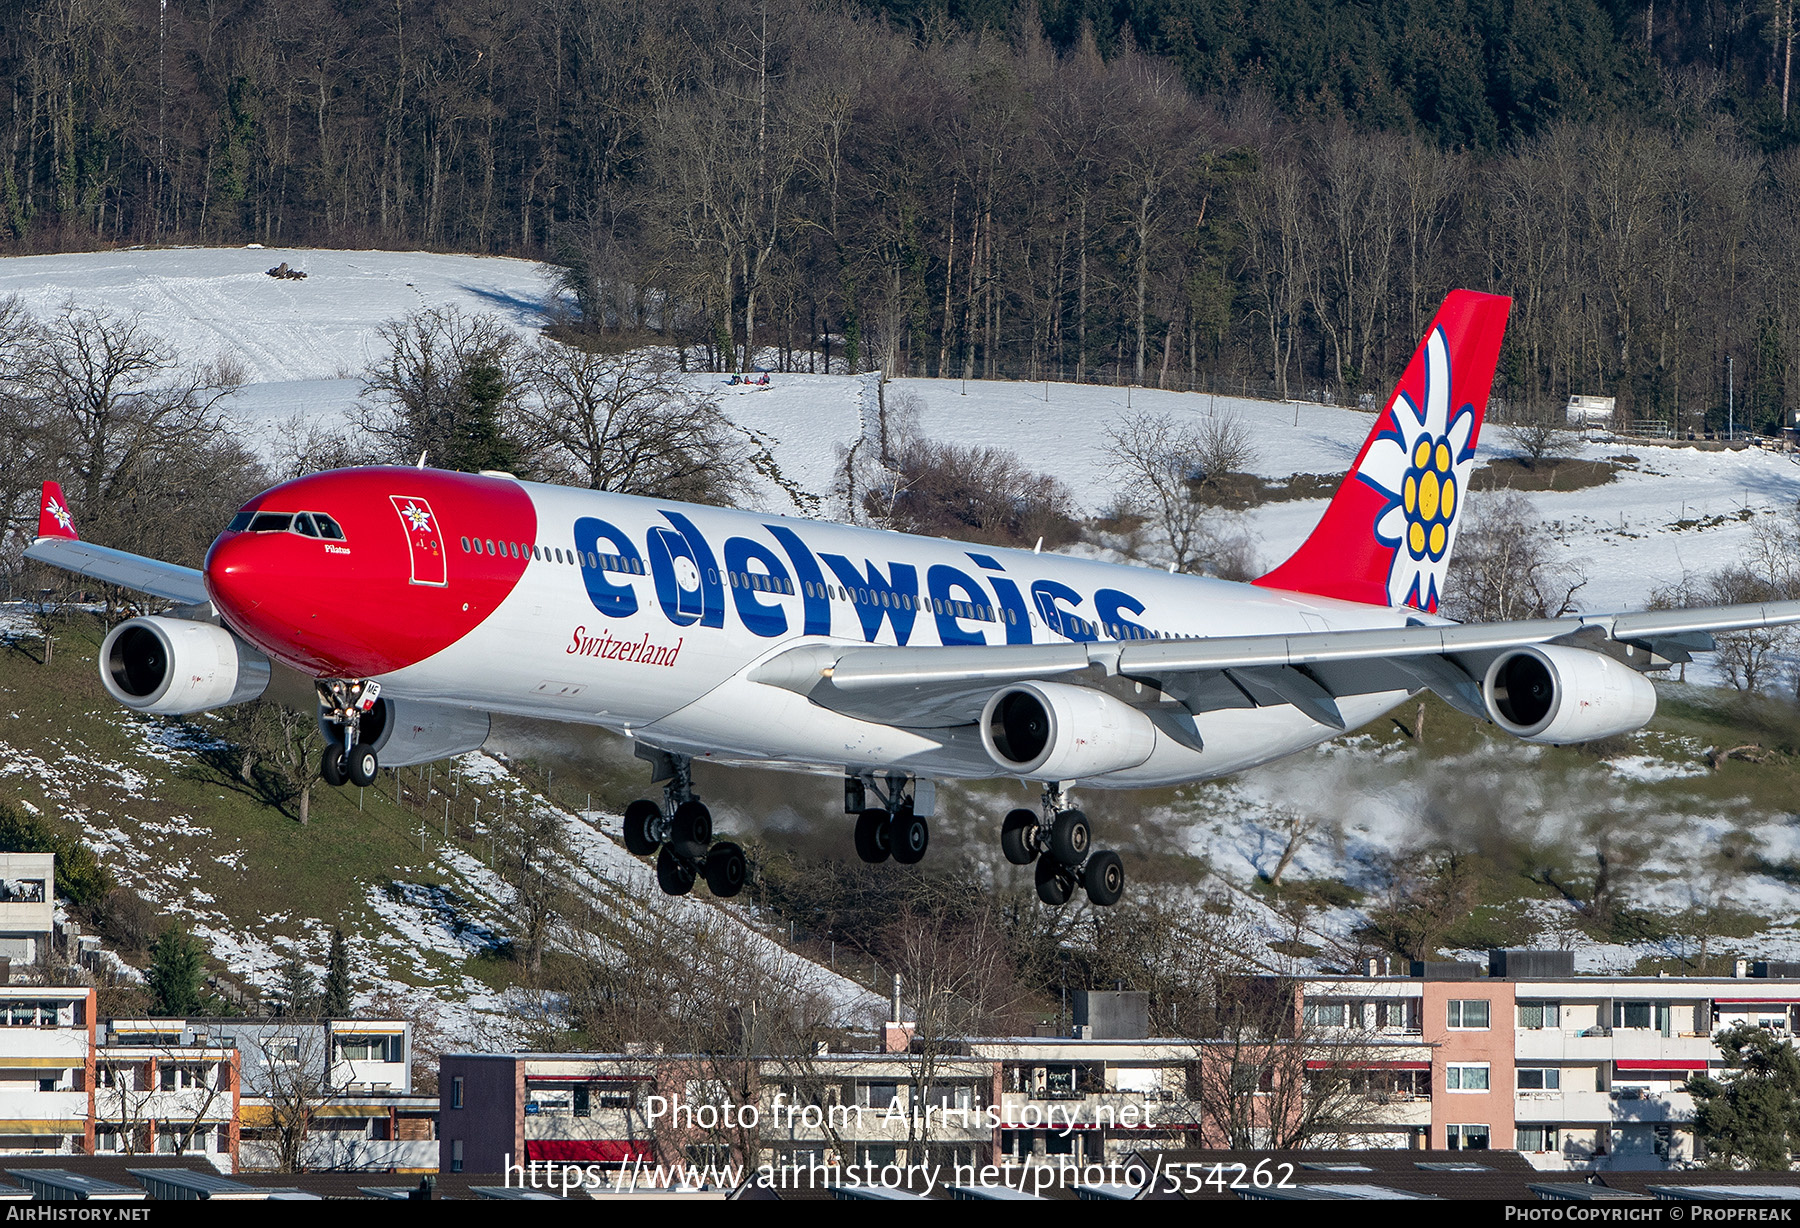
<point x="955" y="191"/>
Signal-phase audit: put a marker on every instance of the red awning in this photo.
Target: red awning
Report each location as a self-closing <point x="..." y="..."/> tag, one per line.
<point x="1322" y="1065"/>
<point x="1659" y="1064"/>
<point x="586" y="1150"/>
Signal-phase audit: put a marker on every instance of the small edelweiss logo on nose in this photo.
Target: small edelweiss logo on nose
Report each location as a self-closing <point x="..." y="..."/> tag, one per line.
<point x="416" y="516"/>
<point x="62" y="514"/>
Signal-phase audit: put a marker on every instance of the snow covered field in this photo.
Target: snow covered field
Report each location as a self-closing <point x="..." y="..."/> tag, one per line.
<point x="1670" y="510"/>
<point x="303" y="343"/>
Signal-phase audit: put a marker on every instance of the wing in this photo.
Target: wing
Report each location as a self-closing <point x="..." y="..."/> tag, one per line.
<point x="58" y="545"/>
<point x="942" y="687"/>
<point x="133" y="571"/>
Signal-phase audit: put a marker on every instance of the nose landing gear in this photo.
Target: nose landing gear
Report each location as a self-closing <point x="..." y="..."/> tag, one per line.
<point x="344" y="705"/>
<point x="679" y="833"/>
<point x="1059" y="839"/>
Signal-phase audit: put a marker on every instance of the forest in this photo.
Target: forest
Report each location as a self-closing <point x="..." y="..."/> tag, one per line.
<point x="1264" y="197"/>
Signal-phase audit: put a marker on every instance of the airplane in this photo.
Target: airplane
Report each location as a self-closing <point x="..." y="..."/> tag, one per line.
<point x="419" y="602"/>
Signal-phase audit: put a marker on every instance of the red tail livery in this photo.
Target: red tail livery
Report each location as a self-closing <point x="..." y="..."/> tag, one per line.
<point x="1387" y="536"/>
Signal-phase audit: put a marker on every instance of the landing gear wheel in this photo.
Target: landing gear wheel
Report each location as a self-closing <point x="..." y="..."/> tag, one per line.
<point x="692" y="831"/>
<point x="1104" y="878"/>
<point x="640" y="818"/>
<point x="1054" y="882"/>
<point x="1018" y="837"/>
<point x="674" y="873"/>
<point x="909" y="835"/>
<point x="874" y="836"/>
<point x="1070" y="837"/>
<point x="362" y="765"/>
<point x="332" y="769"/>
<point x="726" y="869"/>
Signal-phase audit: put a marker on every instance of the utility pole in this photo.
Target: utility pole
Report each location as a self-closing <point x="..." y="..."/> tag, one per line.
<point x="1730" y="400"/>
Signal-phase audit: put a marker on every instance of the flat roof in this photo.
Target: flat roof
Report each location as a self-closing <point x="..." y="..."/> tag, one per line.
<point x="200" y="1185"/>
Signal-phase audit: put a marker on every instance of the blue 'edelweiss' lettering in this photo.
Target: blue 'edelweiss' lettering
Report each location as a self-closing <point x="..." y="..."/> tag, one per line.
<point x="877" y="599"/>
<point x="758" y="577"/>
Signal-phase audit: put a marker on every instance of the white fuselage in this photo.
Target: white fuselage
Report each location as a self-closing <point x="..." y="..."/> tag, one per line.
<point x="658" y="643"/>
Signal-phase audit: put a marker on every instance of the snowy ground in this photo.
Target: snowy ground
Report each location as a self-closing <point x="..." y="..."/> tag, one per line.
<point x="1671" y="510"/>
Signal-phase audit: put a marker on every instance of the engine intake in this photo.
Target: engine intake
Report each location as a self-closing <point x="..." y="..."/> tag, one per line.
<point x="171" y="666"/>
<point x="1556" y="694"/>
<point x="1054" y="731"/>
<point x="406" y="731"/>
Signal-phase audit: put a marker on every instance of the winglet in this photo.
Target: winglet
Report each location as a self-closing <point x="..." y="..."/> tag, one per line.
<point x="54" y="519"/>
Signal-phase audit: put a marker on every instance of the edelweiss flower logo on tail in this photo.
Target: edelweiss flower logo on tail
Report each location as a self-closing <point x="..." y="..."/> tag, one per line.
<point x="1420" y="465"/>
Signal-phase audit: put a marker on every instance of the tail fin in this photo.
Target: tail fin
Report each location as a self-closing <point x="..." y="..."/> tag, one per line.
<point x="54" y="519"/>
<point x="1387" y="535"/>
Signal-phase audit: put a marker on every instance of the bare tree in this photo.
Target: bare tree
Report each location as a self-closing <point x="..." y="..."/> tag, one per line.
<point x="448" y="389"/>
<point x="1157" y="461"/>
<point x="1297" y="824"/>
<point x="630" y="422"/>
<point x="533" y="855"/>
<point x="1506" y="565"/>
<point x="1539" y="433"/>
<point x="958" y="982"/>
<point x="293" y="1075"/>
<point x="180" y="1091"/>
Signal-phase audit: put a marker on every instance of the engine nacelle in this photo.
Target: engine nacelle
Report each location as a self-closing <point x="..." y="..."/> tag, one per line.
<point x="1053" y="731"/>
<point x="1554" y="693"/>
<point x="406" y="731"/>
<point x="170" y="666"/>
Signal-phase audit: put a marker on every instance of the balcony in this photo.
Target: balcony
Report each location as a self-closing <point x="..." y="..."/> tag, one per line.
<point x="35" y="1042"/>
<point x="1562" y="1108"/>
<point x="1609" y="1044"/>
<point x="1634" y="1104"/>
<point x="42" y="1106"/>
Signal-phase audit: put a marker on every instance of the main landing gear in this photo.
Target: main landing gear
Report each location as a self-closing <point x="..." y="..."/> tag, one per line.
<point x="343" y="705"/>
<point x="898" y="826"/>
<point x="679" y="832"/>
<point x="1059" y="840"/>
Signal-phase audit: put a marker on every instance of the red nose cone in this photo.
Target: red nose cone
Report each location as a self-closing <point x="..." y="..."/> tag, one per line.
<point x="397" y="588"/>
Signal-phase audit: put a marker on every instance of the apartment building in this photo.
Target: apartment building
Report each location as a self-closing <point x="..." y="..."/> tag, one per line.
<point x="1094" y="1098"/>
<point x="1577" y="1072"/>
<point x="166" y="1087"/>
<point x="47" y="1036"/>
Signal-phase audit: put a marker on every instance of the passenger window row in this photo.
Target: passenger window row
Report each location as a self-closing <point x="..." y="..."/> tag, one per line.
<point x="757" y="582"/>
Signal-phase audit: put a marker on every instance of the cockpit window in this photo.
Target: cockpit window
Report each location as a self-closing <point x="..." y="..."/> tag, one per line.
<point x="271" y="522"/>
<point x="240" y="522"/>
<point x="328" y="528"/>
<point x="303" y="525"/>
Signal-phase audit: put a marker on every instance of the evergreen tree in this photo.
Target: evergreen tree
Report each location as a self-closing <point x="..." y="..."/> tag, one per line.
<point x="1751" y="1117"/>
<point x="335" y="1001"/>
<point x="297" y="992"/>
<point x="177" y="974"/>
<point x="482" y="442"/>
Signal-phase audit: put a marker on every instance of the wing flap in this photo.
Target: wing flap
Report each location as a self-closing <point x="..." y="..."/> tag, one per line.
<point x="109" y="566"/>
<point x="942" y="687"/>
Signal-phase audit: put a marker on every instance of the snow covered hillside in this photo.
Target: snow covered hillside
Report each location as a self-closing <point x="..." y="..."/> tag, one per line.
<point x="303" y="343"/>
<point x="1668" y="511"/>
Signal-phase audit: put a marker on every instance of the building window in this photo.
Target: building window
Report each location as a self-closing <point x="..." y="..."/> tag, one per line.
<point x="881" y="1096"/>
<point x="1631" y="1014"/>
<point x="284" y="1049"/>
<point x="1466" y="1138"/>
<point x="1398" y="1014"/>
<point x="582" y="1102"/>
<point x="456" y="1156"/>
<point x="1466" y="1077"/>
<point x="456" y="1090"/>
<point x="1536" y="1079"/>
<point x="1468" y="1013"/>
<point x="1537" y="1138"/>
<point x="1328" y="1014"/>
<point x="1539" y="1014"/>
<point x="368" y="1048"/>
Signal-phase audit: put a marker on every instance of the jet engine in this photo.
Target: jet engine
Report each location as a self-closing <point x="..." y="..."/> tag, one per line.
<point x="1053" y="731"/>
<point x="1554" y="693"/>
<point x="169" y="666"/>
<point x="406" y="731"/>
